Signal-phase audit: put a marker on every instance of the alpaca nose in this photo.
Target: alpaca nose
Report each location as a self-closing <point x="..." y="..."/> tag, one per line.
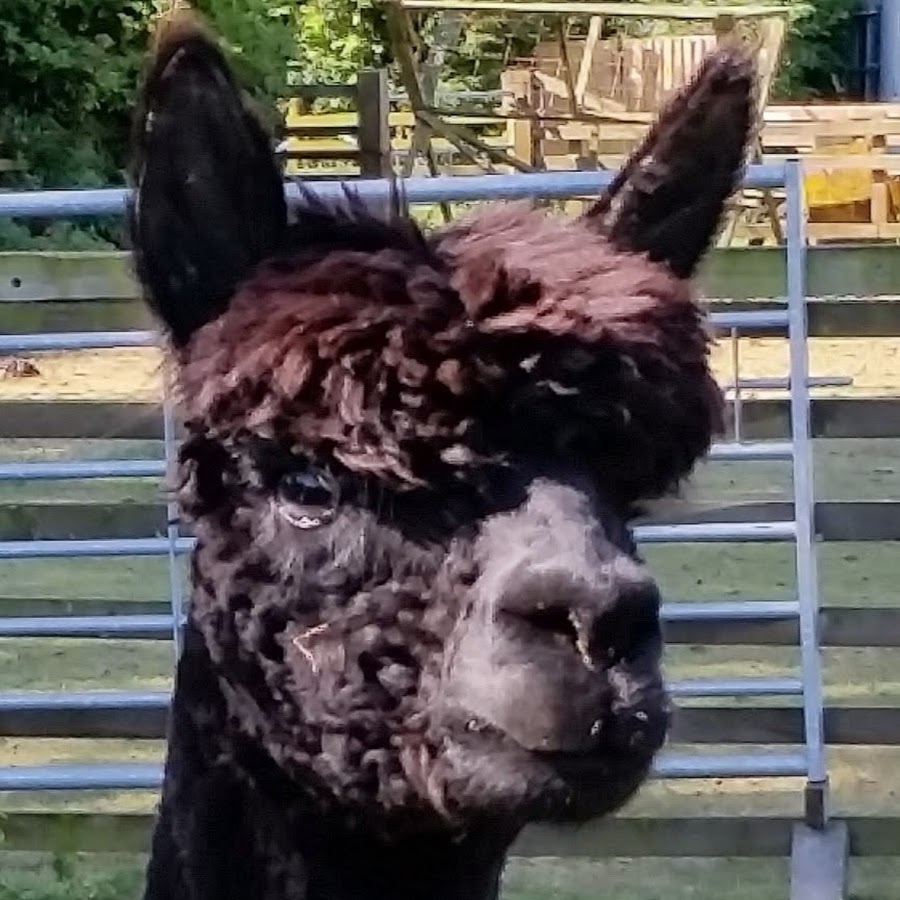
<point x="606" y="621"/>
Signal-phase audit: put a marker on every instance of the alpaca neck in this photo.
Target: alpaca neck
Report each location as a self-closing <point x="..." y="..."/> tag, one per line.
<point x="419" y="868"/>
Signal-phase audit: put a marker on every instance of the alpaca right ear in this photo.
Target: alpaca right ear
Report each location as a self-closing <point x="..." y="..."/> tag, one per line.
<point x="668" y="199"/>
<point x="208" y="201"/>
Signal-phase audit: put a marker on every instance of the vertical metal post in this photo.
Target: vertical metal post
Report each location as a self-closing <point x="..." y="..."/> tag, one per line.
<point x="868" y="51"/>
<point x="889" y="78"/>
<point x="176" y="593"/>
<point x="804" y="501"/>
<point x="737" y="402"/>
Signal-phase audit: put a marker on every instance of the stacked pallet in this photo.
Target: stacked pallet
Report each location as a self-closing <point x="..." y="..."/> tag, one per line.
<point x="851" y="153"/>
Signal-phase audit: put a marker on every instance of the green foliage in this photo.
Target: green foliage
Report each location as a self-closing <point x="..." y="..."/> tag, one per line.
<point x="817" y="58"/>
<point x="815" y="62"/>
<point x="69" y="68"/>
<point x="67" y="876"/>
<point x="488" y="44"/>
<point x="337" y="38"/>
<point x="261" y="37"/>
<point x="68" y="74"/>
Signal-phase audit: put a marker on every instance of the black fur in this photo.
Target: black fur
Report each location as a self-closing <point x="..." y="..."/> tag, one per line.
<point x="418" y="619"/>
<point x="208" y="200"/>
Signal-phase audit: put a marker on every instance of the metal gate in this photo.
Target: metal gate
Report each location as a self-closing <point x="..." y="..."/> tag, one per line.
<point x="809" y="761"/>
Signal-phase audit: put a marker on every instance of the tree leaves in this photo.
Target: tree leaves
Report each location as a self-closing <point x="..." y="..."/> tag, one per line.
<point x="68" y="74"/>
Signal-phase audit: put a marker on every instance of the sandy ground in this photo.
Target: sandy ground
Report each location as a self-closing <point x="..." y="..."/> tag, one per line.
<point x="873" y="364"/>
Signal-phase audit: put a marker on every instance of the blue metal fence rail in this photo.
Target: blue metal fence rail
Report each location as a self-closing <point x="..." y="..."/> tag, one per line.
<point x="808" y="761"/>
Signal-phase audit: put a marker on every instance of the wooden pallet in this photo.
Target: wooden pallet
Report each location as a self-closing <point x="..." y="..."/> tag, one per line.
<point x="851" y="155"/>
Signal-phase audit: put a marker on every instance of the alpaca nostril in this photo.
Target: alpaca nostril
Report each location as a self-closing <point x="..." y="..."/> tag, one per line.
<point x="561" y="624"/>
<point x="631" y="628"/>
<point x="619" y="639"/>
<point x="606" y="624"/>
<point x="555" y="620"/>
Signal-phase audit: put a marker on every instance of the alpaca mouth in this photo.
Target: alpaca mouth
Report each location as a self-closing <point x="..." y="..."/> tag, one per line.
<point x="622" y="739"/>
<point x="578" y="767"/>
<point x="624" y="735"/>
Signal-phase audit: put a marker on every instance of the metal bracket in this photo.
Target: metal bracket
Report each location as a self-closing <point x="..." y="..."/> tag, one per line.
<point x="816" y="797"/>
<point x="819" y="862"/>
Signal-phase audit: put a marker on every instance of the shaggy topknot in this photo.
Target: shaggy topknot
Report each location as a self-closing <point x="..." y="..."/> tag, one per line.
<point x="418" y="361"/>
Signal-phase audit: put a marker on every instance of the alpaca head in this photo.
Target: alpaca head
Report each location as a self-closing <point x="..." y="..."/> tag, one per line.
<point x="411" y="460"/>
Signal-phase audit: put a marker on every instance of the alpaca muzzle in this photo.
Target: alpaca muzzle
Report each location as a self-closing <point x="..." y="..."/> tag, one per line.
<point x="562" y="649"/>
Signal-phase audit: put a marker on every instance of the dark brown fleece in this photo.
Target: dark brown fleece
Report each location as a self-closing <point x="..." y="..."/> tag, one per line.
<point x="414" y="362"/>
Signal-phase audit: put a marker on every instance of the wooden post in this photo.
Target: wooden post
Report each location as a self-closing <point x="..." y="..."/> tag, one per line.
<point x="374" y="132"/>
<point x="724" y="28"/>
<point x="522" y="128"/>
<point x="595" y="29"/>
<point x="567" y="64"/>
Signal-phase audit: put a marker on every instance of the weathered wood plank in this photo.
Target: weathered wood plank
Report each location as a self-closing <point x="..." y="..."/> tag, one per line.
<point x="833" y="317"/>
<point x="836" y="520"/>
<point x="16" y="607"/>
<point x="840" y="627"/>
<point x="80" y="521"/>
<point x="707" y="836"/>
<point x="619" y="836"/>
<point x="694" y="725"/>
<point x="59" y="275"/>
<point x="691" y="12"/>
<point x="85" y="315"/>
<point x="852" y="726"/>
<point x="73" y="419"/>
<point x="768" y="419"/>
<point x="734" y="273"/>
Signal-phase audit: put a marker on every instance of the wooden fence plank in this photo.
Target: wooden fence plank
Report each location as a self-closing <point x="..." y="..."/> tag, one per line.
<point x="836" y="520"/>
<point x="618" y="836"/>
<point x="59" y="275"/>
<point x="767" y="419"/>
<point x="707" y="836"/>
<point x="833" y="317"/>
<point x="691" y="725"/>
<point x="73" y="419"/>
<point x="15" y="607"/>
<point x="86" y="315"/>
<point x="734" y="273"/>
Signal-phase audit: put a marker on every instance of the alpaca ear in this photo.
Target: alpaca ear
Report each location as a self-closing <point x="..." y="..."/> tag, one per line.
<point x="668" y="199"/>
<point x="208" y="201"/>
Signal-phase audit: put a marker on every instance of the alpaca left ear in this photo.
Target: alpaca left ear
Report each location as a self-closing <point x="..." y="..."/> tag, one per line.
<point x="208" y="201"/>
<point x="668" y="199"/>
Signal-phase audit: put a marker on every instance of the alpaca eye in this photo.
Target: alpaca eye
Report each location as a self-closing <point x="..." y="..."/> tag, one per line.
<point x="307" y="499"/>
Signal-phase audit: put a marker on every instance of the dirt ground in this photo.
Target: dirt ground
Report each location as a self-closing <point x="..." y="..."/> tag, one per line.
<point x="873" y="364"/>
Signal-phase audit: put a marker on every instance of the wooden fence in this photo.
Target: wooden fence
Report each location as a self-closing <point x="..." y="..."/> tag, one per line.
<point x="360" y="140"/>
<point x="851" y="152"/>
<point x="379" y="128"/>
<point x="94" y="292"/>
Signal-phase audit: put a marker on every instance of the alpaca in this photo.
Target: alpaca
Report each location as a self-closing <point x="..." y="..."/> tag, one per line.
<point x="418" y="618"/>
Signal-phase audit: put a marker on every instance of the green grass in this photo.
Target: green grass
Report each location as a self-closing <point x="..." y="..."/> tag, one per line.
<point x="120" y="878"/>
<point x="80" y="878"/>
<point x="70" y="878"/>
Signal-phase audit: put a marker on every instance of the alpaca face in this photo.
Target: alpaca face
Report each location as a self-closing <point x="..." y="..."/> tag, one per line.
<point x="412" y="460"/>
<point x="448" y="656"/>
